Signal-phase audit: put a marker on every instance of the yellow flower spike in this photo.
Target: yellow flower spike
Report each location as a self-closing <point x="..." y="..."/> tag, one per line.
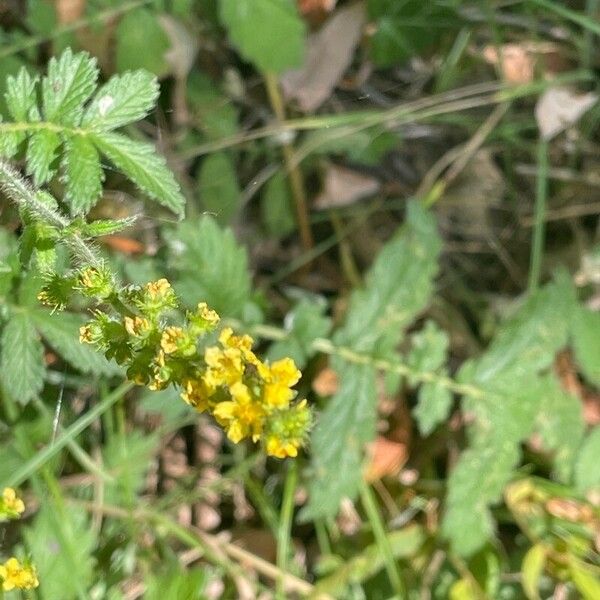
<point x="15" y="575"/>
<point x="11" y="506"/>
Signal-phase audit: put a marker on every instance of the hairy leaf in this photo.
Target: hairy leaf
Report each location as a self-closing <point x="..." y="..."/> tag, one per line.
<point x="587" y="465"/>
<point x="123" y="99"/>
<point x="20" y="95"/>
<point x="82" y="174"/>
<point x="435" y="402"/>
<point x="70" y="82"/>
<point x="218" y="186"/>
<point x="211" y="266"/>
<point x="143" y="166"/>
<point x="61" y="330"/>
<point x="268" y="33"/>
<point x="22" y="358"/>
<point x="42" y="151"/>
<point x="585" y="332"/>
<point x="429" y="348"/>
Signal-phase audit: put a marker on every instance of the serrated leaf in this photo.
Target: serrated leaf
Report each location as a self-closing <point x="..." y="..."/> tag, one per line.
<point x="560" y="424"/>
<point x="141" y="43"/>
<point x="61" y="544"/>
<point x="435" y="402"/>
<point x="532" y="569"/>
<point x="123" y="99"/>
<point x="585" y="332"/>
<point x="140" y="162"/>
<point x="102" y="227"/>
<point x="41" y="154"/>
<point x="397" y="287"/>
<point x="268" y="33"/>
<point x="9" y="143"/>
<point x="70" y="82"/>
<point x="429" y="348"/>
<point x="61" y="330"/>
<point x="276" y="207"/>
<point x="211" y="266"/>
<point x="82" y="174"/>
<point x="528" y="342"/>
<point x="476" y="481"/>
<point x="346" y="424"/>
<point x="20" y="95"/>
<point x="304" y="324"/>
<point x="587" y="465"/>
<point x="22" y="358"/>
<point x="218" y="186"/>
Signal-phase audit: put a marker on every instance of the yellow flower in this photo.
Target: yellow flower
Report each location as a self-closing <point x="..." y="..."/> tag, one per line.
<point x="137" y="326"/>
<point x="156" y="289"/>
<point x="207" y="314"/>
<point x="241" y="416"/>
<point x="287" y="430"/>
<point x="196" y="394"/>
<point x="225" y="367"/>
<point x="171" y="339"/>
<point x="283" y="374"/>
<point x="14" y="575"/>
<point x="280" y="448"/>
<point x="85" y="334"/>
<point x="11" y="506"/>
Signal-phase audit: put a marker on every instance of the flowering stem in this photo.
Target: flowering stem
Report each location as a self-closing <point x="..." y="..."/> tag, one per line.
<point x="370" y="506"/>
<point x="285" y="526"/>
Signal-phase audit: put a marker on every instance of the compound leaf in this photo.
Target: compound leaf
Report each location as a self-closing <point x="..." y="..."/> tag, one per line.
<point x="41" y="154"/>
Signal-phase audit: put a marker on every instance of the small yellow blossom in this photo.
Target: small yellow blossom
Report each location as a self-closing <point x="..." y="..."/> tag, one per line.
<point x="15" y="575"/>
<point x="11" y="506"/>
<point x="225" y="367"/>
<point x="137" y="326"/>
<point x="279" y="448"/>
<point x="85" y="334"/>
<point x="241" y="417"/>
<point x="196" y="394"/>
<point x="157" y="289"/>
<point x="172" y="339"/>
<point x="283" y="374"/>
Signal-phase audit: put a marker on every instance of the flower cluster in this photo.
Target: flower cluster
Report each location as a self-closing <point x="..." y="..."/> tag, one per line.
<point x="15" y="574"/>
<point x="220" y="374"/>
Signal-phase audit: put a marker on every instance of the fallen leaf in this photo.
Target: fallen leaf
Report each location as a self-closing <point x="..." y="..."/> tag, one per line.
<point x="311" y="6"/>
<point x="123" y="244"/>
<point x="559" y="108"/>
<point x="330" y="52"/>
<point x="387" y="458"/>
<point x="343" y="187"/>
<point x="516" y="62"/>
<point x="68" y="11"/>
<point x="326" y="383"/>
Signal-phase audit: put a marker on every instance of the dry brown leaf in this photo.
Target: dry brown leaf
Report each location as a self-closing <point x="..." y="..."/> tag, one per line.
<point x="122" y="244"/>
<point x="330" y="52"/>
<point x="516" y="62"/>
<point x="312" y="6"/>
<point x="387" y="458"/>
<point x="559" y="108"/>
<point x="343" y="187"/>
<point x="68" y="11"/>
<point x="326" y="383"/>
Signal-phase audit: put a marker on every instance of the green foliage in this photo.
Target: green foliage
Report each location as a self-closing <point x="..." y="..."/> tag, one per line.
<point x="175" y="582"/>
<point x="218" y="187"/>
<point x="277" y="211"/>
<point x="268" y="33"/>
<point x="69" y="125"/>
<point x="587" y="465"/>
<point x="396" y="290"/>
<point x="585" y="331"/>
<point x="211" y="265"/>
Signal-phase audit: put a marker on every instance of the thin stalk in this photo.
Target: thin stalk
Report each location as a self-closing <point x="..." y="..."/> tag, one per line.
<point x="378" y="527"/>
<point x="539" y="226"/>
<point x="285" y="526"/>
<point x="294" y="172"/>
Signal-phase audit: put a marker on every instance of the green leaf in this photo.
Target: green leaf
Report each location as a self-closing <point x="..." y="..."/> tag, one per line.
<point x="304" y="324"/>
<point x="435" y="402"/>
<point x="188" y="584"/>
<point x="585" y="332"/>
<point x="218" y="186"/>
<point x="102" y="227"/>
<point x="70" y="82"/>
<point x="532" y="569"/>
<point x="585" y="578"/>
<point x="61" y="544"/>
<point x="476" y="481"/>
<point x="211" y="266"/>
<point x="429" y="348"/>
<point x="398" y="287"/>
<point x="587" y="465"/>
<point x="276" y="207"/>
<point x="22" y="358"/>
<point x="21" y="95"/>
<point x="141" y="43"/>
<point x="343" y="428"/>
<point x="82" y="174"/>
<point x="41" y="154"/>
<point x="268" y="33"/>
<point x="123" y="99"/>
<point x="140" y="162"/>
<point x="9" y="143"/>
<point x="560" y="424"/>
<point x="61" y="330"/>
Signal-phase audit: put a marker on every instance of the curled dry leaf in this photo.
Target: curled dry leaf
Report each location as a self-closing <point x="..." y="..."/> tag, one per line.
<point x="387" y="458"/>
<point x="516" y="62"/>
<point x="330" y="52"/>
<point x="68" y="11"/>
<point x="314" y="6"/>
<point x="558" y="108"/>
<point x="326" y="383"/>
<point x="343" y="187"/>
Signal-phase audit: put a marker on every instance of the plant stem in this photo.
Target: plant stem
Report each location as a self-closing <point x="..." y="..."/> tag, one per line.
<point x="285" y="526"/>
<point x="377" y="525"/>
<point x="294" y="172"/>
<point x="539" y="227"/>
